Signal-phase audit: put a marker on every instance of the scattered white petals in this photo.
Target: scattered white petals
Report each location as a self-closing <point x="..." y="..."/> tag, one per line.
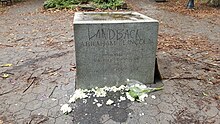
<point x="141" y="97"/>
<point x="78" y="94"/>
<point x="153" y="97"/>
<point x="99" y="104"/>
<point x="95" y="100"/>
<point x="141" y="114"/>
<point x="140" y="86"/>
<point x="122" y="98"/>
<point x="66" y="109"/>
<point x="100" y="92"/>
<point x="129" y="97"/>
<point x="84" y="101"/>
<point x="114" y="89"/>
<point x="109" y="102"/>
<point x="122" y="87"/>
<point x="53" y="99"/>
<point x="106" y="88"/>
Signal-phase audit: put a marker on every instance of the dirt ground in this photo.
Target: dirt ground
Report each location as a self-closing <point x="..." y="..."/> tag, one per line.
<point x="201" y="9"/>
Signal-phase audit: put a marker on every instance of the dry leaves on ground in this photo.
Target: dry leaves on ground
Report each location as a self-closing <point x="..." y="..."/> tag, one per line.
<point x="201" y="9"/>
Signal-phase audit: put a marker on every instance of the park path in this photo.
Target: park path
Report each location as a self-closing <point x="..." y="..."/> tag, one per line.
<point x="39" y="45"/>
<point x="179" y="24"/>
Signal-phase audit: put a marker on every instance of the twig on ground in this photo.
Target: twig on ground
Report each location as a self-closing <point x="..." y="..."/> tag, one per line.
<point x="51" y="71"/>
<point x="30" y="77"/>
<point x="30" y="121"/>
<point x="52" y="91"/>
<point x="6" y="45"/>
<point x="210" y="64"/>
<point x="182" y="78"/>
<point x="43" y="120"/>
<point x="34" y="79"/>
<point x="1" y="94"/>
<point x="18" y="39"/>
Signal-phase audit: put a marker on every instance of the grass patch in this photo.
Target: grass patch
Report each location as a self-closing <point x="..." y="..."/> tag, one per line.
<point x="71" y="4"/>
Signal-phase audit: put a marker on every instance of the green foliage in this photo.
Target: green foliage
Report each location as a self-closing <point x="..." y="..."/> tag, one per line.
<point x="103" y="4"/>
<point x="109" y="4"/>
<point x="137" y="91"/>
<point x="215" y="3"/>
<point x="61" y="4"/>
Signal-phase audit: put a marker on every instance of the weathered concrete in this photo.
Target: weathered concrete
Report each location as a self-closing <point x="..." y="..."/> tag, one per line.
<point x="113" y="47"/>
<point x="42" y="42"/>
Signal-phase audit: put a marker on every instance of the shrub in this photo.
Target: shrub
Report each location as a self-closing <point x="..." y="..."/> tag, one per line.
<point x="215" y="3"/>
<point x="104" y="4"/>
<point x="109" y="4"/>
<point x="60" y="4"/>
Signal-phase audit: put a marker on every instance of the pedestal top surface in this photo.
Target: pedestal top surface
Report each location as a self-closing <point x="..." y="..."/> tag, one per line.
<point x="110" y="17"/>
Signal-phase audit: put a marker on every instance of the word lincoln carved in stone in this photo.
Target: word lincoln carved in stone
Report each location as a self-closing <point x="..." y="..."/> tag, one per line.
<point x="113" y="43"/>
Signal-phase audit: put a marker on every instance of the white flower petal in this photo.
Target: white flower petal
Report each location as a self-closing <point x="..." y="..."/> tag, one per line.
<point x="66" y="109"/>
<point x="95" y="100"/>
<point x="99" y="104"/>
<point x="122" y="98"/>
<point x="100" y="92"/>
<point x="129" y="97"/>
<point x="153" y="97"/>
<point x="78" y="94"/>
<point x="141" y="97"/>
<point x="109" y="102"/>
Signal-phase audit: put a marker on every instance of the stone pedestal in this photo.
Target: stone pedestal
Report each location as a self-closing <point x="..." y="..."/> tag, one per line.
<point x="114" y="46"/>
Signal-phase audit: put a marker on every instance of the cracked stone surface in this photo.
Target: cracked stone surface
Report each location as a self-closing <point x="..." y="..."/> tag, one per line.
<point x="40" y="111"/>
<point x="49" y="103"/>
<point x="22" y="114"/>
<point x="145" y="119"/>
<point x="40" y="45"/>
<point x="28" y="97"/>
<point x="16" y="107"/>
<point x="34" y="105"/>
<point x="166" y="107"/>
<point x="151" y="110"/>
<point x="164" y="118"/>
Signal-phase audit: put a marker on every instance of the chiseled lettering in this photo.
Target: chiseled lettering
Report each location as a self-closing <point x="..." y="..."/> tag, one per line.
<point x="137" y="36"/>
<point x="104" y="35"/>
<point x="97" y="34"/>
<point x="111" y="34"/>
<point x="116" y="34"/>
<point x="119" y="34"/>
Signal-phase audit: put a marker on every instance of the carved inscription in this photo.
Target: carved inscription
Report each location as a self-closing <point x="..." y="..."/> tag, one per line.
<point x="113" y="37"/>
<point x="113" y="60"/>
<point x="114" y="34"/>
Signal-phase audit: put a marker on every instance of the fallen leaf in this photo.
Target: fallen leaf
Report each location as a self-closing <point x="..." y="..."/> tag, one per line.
<point x="6" y="65"/>
<point x="217" y="97"/>
<point x="204" y="94"/>
<point x="5" y="75"/>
